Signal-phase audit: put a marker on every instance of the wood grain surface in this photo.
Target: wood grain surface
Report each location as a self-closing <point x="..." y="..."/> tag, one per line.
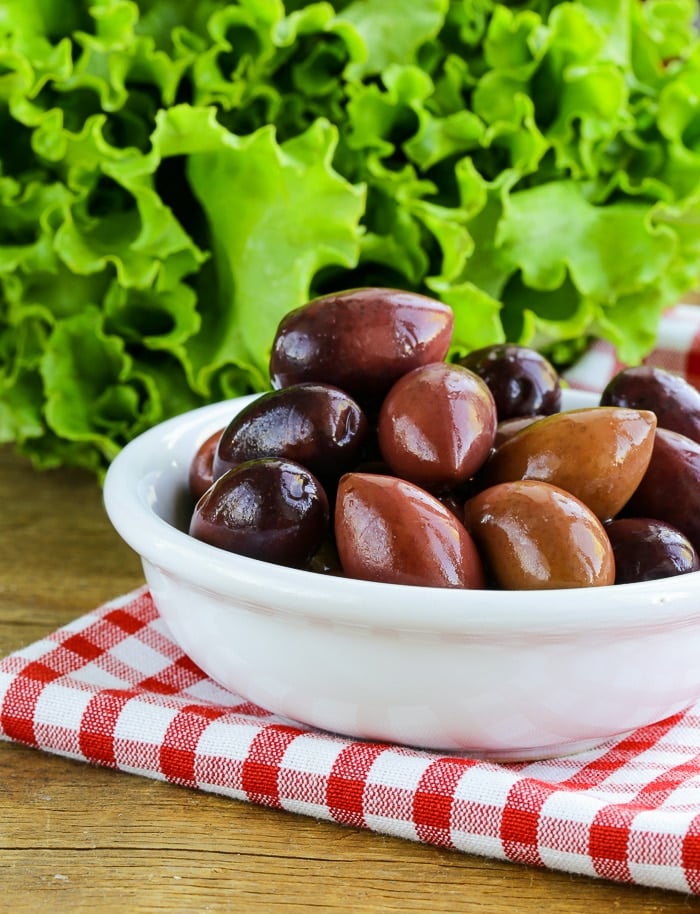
<point x="77" y="838"/>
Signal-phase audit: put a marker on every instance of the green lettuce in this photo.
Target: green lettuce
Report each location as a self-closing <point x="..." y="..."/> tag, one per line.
<point x="174" y="178"/>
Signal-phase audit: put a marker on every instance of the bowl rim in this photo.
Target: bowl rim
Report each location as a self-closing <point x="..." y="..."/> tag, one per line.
<point x="128" y="498"/>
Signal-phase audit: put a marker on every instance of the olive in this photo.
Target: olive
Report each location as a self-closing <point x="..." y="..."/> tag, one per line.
<point x="201" y="474"/>
<point x="437" y="425"/>
<point x="316" y="425"/>
<point x="598" y="453"/>
<point x="674" y="399"/>
<point x="441" y="473"/>
<point x="361" y="340"/>
<point x="670" y="488"/>
<point x="390" y="530"/>
<point x="269" y="509"/>
<point x="647" y="549"/>
<point x="523" y="382"/>
<point x="535" y="536"/>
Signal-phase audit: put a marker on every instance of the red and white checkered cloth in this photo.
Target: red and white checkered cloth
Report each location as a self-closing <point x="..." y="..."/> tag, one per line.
<point x="677" y="349"/>
<point x="112" y="688"/>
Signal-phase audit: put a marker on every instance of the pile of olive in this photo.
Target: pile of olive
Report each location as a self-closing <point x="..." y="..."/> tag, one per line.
<point x="375" y="457"/>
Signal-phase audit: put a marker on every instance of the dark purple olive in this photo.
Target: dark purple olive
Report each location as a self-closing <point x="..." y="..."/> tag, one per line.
<point x="269" y="509"/>
<point x="437" y="425"/>
<point x="316" y="425"/>
<point x="523" y="382"/>
<point x="646" y="550"/>
<point x="201" y="474"/>
<point x="674" y="399"/>
<point x="670" y="488"/>
<point x="360" y="340"/>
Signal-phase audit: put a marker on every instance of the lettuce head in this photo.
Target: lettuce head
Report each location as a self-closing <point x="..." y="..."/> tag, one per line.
<point x="175" y="177"/>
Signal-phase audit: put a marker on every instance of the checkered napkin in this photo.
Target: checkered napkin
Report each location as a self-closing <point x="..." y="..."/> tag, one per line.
<point x="112" y="688"/>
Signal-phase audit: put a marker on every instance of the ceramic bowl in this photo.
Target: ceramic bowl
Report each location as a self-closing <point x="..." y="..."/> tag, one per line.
<point x="501" y="675"/>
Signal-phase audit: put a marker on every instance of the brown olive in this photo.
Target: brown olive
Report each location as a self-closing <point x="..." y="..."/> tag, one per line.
<point x="535" y="536"/>
<point x="389" y="530"/>
<point x="437" y="425"/>
<point x="599" y="454"/>
<point x="361" y="340"/>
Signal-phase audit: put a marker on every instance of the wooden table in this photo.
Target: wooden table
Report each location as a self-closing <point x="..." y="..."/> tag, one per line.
<point x="77" y="838"/>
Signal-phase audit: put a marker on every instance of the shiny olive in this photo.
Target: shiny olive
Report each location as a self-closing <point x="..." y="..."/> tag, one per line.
<point x="670" y="489"/>
<point x="647" y="549"/>
<point x="671" y="397"/>
<point x="389" y="530"/>
<point x="523" y="382"/>
<point x="269" y="509"/>
<point x="316" y="425"/>
<point x="599" y="454"/>
<point x="535" y="536"/>
<point x="436" y="425"/>
<point x="201" y="474"/>
<point x="360" y="340"/>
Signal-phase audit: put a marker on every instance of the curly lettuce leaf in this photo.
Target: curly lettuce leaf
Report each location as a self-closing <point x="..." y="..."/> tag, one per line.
<point x="392" y="31"/>
<point x="174" y="178"/>
<point x="89" y="395"/>
<point x="277" y="214"/>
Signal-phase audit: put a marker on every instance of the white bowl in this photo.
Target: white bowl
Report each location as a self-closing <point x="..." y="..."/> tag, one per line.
<point x="516" y="675"/>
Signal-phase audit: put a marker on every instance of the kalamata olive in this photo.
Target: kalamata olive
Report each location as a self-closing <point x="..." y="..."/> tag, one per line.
<point x="316" y="425"/>
<point x="360" y="340"/>
<point x="674" y="399"/>
<point x="599" y="454"/>
<point x="523" y="382"/>
<point x="269" y="509"/>
<point x="201" y="474"/>
<point x="670" y="488"/>
<point x="647" y="549"/>
<point x="389" y="530"/>
<point x="436" y="425"/>
<point x="535" y="536"/>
